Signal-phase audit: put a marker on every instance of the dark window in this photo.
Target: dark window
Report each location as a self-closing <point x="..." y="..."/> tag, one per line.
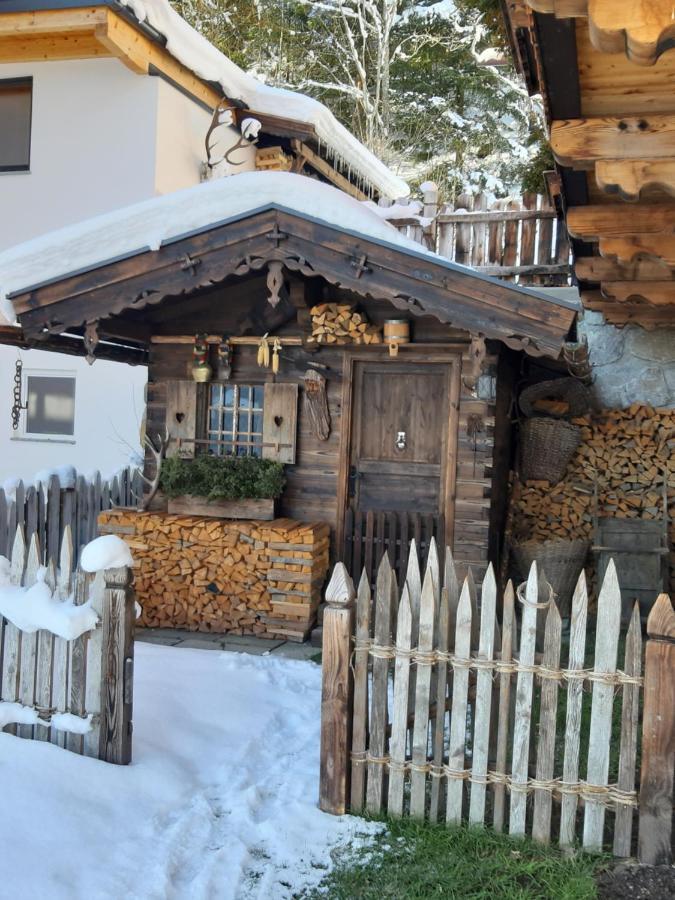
<point x="51" y="405"/>
<point x="235" y="423"/>
<point x="16" y="101"/>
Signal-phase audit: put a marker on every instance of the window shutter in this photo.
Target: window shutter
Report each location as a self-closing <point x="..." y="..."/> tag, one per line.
<point x="181" y="417"/>
<point x="280" y="421"/>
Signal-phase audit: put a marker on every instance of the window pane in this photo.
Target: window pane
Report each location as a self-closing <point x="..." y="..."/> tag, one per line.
<point x="257" y="423"/>
<point x="229" y="396"/>
<point x="244" y="397"/>
<point x="258" y="394"/>
<point x="228" y="419"/>
<point x="51" y="405"/>
<point x="242" y="423"/>
<point x="15" y="121"/>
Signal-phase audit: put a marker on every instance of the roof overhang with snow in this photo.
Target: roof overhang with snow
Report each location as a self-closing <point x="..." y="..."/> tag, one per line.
<point x="150" y="37"/>
<point x="181" y="243"/>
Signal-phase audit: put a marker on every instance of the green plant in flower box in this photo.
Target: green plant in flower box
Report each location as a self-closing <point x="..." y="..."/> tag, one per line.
<point x="223" y="477"/>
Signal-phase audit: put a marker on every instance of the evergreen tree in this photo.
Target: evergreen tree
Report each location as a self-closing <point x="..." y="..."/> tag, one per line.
<point x="413" y="80"/>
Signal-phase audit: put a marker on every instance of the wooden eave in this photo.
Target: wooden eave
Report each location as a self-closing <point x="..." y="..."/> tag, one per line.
<point x="606" y="79"/>
<point x="102" y="30"/>
<point x="415" y="282"/>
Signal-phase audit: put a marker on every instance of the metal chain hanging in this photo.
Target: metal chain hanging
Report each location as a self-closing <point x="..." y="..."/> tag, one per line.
<point x="17" y="406"/>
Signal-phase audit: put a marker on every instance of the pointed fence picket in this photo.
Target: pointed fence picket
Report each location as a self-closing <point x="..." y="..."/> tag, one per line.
<point x="90" y="677"/>
<point x="46" y="510"/>
<point x="455" y="708"/>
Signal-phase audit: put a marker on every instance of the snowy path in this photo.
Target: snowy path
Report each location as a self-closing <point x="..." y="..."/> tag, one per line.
<point x="220" y="801"/>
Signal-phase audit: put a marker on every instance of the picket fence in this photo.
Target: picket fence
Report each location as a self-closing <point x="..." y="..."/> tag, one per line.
<point x="92" y="675"/>
<point x="522" y="239"/>
<point x="430" y="708"/>
<point x="48" y="509"/>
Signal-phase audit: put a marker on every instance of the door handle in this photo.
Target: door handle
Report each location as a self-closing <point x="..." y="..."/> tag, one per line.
<point x="400" y="440"/>
<point x="354" y="476"/>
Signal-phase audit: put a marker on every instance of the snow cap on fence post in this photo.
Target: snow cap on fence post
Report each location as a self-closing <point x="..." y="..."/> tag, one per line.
<point x="337" y="692"/>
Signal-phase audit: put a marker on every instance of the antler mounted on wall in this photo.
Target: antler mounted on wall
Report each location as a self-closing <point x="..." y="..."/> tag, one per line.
<point x="158" y="453"/>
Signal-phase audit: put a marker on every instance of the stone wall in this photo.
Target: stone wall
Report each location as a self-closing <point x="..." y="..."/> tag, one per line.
<point x="630" y="364"/>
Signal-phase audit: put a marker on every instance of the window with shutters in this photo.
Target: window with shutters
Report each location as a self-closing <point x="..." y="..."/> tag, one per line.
<point x="50" y="404"/>
<point x="16" y="108"/>
<point x="235" y="419"/>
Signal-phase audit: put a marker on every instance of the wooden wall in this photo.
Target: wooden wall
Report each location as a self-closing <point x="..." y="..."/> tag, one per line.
<point x="312" y="483"/>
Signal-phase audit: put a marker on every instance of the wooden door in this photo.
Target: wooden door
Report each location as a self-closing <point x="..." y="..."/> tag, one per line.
<point x="398" y="465"/>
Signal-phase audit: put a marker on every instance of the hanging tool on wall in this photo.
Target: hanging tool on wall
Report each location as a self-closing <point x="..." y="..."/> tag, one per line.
<point x="224" y="367"/>
<point x="17" y="406"/>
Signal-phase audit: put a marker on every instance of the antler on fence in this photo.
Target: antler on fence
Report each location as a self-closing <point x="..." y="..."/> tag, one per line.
<point x="158" y="453"/>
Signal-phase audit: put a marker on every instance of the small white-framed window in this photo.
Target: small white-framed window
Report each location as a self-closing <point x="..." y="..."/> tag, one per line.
<point x="50" y="404"/>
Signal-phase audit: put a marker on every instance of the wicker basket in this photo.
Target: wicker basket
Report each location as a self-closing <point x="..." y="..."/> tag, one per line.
<point x="561" y="562"/>
<point x="546" y="447"/>
<point x="572" y="391"/>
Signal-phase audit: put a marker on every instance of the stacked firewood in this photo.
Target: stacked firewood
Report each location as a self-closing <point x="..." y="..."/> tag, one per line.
<point x="298" y="563"/>
<point x="340" y="323"/>
<point x="617" y="470"/>
<point x="224" y="576"/>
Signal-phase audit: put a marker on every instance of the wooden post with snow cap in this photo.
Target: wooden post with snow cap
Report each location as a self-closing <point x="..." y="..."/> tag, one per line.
<point x="337" y="696"/>
<point x="117" y="666"/>
<point x="658" y="737"/>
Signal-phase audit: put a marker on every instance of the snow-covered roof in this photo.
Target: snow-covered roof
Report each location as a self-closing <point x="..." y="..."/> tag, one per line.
<point x="150" y="224"/>
<point x="146" y="225"/>
<point x="195" y="52"/>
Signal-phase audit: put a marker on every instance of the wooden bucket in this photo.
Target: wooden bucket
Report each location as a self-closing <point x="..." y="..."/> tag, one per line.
<point x="397" y="331"/>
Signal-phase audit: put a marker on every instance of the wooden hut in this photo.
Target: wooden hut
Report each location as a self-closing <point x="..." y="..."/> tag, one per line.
<point x="382" y="442"/>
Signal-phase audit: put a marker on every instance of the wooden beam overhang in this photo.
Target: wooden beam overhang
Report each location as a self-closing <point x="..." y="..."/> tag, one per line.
<point x="415" y="282"/>
<point x="614" y="144"/>
<point x="643" y="29"/>
<point x="73" y="345"/>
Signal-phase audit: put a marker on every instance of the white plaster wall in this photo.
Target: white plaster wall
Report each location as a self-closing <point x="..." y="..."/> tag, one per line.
<point x="92" y="146"/>
<point x="180" y="146"/>
<point x="109" y="406"/>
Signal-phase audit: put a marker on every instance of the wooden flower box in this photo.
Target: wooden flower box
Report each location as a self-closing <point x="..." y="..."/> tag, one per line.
<point x="189" y="505"/>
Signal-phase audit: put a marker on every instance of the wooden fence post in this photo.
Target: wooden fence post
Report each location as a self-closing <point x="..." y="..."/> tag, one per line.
<point x="337" y="696"/>
<point x="117" y="662"/>
<point x="658" y="737"/>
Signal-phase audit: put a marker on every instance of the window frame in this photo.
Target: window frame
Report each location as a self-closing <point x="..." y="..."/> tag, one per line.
<point x="22" y="80"/>
<point x="244" y="441"/>
<point x="42" y="435"/>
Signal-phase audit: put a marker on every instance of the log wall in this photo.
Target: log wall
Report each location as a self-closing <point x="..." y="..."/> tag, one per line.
<point x="312" y="489"/>
<point x="224" y="576"/>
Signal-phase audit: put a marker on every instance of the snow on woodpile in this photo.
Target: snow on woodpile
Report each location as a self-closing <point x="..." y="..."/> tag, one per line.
<point x="36" y="608"/>
<point x="106" y="552"/>
<point x="147" y="224"/>
<point x="206" y="61"/>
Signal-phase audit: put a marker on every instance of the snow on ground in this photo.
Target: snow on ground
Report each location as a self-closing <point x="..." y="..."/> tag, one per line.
<point x="219" y="802"/>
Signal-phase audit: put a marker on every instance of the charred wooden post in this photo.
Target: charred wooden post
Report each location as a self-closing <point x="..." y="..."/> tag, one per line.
<point x="117" y="667"/>
<point x="337" y="695"/>
<point x="658" y="737"/>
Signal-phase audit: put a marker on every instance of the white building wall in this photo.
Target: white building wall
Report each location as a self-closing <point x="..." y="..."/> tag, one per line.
<point x="102" y="138"/>
<point x="92" y="146"/>
<point x="109" y="406"/>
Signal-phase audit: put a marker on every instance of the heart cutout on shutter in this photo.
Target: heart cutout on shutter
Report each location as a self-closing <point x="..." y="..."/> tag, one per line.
<point x="180" y="417"/>
<point x="278" y="420"/>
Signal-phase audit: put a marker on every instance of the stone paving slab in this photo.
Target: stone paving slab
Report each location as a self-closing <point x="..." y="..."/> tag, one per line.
<point x="236" y="643"/>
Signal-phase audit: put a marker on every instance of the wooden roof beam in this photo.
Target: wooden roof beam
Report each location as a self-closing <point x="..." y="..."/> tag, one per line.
<point x="643" y="29"/>
<point x="599" y="268"/>
<point x="609" y="220"/>
<point x="620" y="314"/>
<point x="631" y="248"/>
<point x="581" y="143"/>
<point x="656" y="293"/>
<point x="627" y="178"/>
<point x="323" y="168"/>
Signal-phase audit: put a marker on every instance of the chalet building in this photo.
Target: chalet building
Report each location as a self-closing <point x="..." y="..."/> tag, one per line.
<point x="100" y="110"/>
<point x="410" y="439"/>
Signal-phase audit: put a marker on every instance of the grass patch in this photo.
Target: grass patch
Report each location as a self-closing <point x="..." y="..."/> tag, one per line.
<point x="417" y="861"/>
